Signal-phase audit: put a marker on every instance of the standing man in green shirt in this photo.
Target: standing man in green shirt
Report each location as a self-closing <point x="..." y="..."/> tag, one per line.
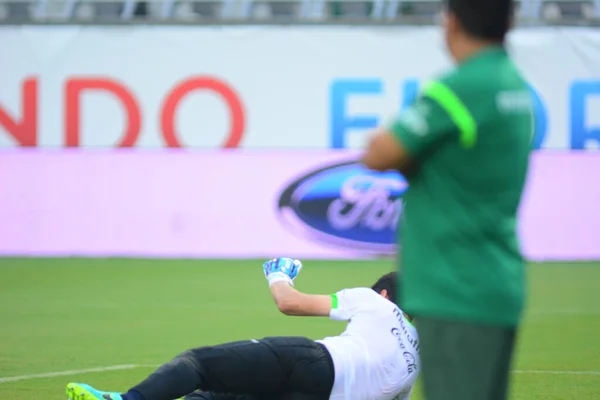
<point x="464" y="147"/>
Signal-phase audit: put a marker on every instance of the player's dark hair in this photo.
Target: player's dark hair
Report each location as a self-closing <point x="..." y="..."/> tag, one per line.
<point x="484" y="19"/>
<point x="389" y="282"/>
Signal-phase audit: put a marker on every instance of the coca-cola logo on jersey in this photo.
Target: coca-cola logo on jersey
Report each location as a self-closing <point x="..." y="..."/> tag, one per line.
<point x="409" y="358"/>
<point x="346" y="205"/>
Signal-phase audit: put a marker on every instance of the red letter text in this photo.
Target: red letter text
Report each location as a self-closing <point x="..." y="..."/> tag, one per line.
<point x="73" y="90"/>
<point x="234" y="104"/>
<point x="25" y="130"/>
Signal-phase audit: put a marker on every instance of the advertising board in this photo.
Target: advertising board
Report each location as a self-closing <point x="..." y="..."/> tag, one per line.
<point x="242" y="204"/>
<point x="261" y="88"/>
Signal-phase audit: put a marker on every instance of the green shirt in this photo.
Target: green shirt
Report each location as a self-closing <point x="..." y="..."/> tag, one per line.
<point x="470" y="133"/>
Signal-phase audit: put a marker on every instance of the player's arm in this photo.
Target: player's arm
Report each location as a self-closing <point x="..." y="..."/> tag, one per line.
<point x="280" y="273"/>
<point x="437" y="114"/>
<point x="340" y="306"/>
<point x="293" y="302"/>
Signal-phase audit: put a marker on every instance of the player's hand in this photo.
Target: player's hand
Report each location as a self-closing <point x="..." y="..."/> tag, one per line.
<point x="282" y="270"/>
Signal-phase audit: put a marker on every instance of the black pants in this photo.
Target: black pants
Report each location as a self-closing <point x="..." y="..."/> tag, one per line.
<point x="465" y="361"/>
<point x="290" y="368"/>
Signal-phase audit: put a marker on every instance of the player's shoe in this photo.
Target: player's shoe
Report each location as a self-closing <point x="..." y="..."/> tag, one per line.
<point x="81" y="391"/>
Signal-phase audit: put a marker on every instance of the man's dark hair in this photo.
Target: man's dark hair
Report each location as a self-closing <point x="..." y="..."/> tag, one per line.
<point x="389" y="282"/>
<point x="484" y="19"/>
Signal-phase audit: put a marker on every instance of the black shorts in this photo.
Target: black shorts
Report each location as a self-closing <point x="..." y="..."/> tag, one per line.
<point x="270" y="368"/>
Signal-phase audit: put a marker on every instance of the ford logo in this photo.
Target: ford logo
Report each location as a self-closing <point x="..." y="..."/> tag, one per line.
<point x="345" y="205"/>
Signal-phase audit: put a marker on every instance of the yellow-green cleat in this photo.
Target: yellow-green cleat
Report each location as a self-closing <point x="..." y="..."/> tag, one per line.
<point x="81" y="391"/>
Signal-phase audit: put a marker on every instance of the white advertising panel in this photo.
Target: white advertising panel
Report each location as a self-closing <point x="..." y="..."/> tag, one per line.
<point x="265" y="87"/>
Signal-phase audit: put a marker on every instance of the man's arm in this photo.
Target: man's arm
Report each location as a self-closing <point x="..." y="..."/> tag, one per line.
<point x="385" y="152"/>
<point x="281" y="272"/>
<point x="437" y="115"/>
<point x="292" y="302"/>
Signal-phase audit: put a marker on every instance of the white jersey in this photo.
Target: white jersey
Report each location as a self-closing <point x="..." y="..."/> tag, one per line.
<point x="377" y="356"/>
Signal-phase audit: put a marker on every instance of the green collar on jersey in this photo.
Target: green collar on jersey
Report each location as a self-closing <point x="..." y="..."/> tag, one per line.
<point x="456" y="109"/>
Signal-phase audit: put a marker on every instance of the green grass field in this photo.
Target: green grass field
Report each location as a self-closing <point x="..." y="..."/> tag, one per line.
<point x="74" y="314"/>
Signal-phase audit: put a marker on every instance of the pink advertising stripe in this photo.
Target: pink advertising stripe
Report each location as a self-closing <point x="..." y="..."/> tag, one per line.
<point x="222" y="204"/>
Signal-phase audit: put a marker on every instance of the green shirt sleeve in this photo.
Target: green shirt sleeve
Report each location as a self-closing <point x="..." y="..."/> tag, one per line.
<point x="438" y="114"/>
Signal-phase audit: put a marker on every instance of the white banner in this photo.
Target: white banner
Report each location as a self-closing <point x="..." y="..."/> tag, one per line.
<point x="261" y="87"/>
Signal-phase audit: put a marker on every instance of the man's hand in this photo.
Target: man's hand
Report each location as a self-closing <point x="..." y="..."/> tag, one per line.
<point x="282" y="270"/>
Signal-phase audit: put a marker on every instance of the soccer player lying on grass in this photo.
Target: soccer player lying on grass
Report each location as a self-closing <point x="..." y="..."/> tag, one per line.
<point x="376" y="358"/>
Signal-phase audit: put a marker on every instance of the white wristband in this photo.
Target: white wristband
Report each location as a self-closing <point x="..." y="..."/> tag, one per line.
<point x="279" y="277"/>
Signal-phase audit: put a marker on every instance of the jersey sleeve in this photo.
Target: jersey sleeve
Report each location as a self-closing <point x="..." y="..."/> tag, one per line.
<point x="437" y="115"/>
<point x="348" y="302"/>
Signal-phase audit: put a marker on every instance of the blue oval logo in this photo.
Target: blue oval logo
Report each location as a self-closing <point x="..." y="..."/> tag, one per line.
<point x="346" y="205"/>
